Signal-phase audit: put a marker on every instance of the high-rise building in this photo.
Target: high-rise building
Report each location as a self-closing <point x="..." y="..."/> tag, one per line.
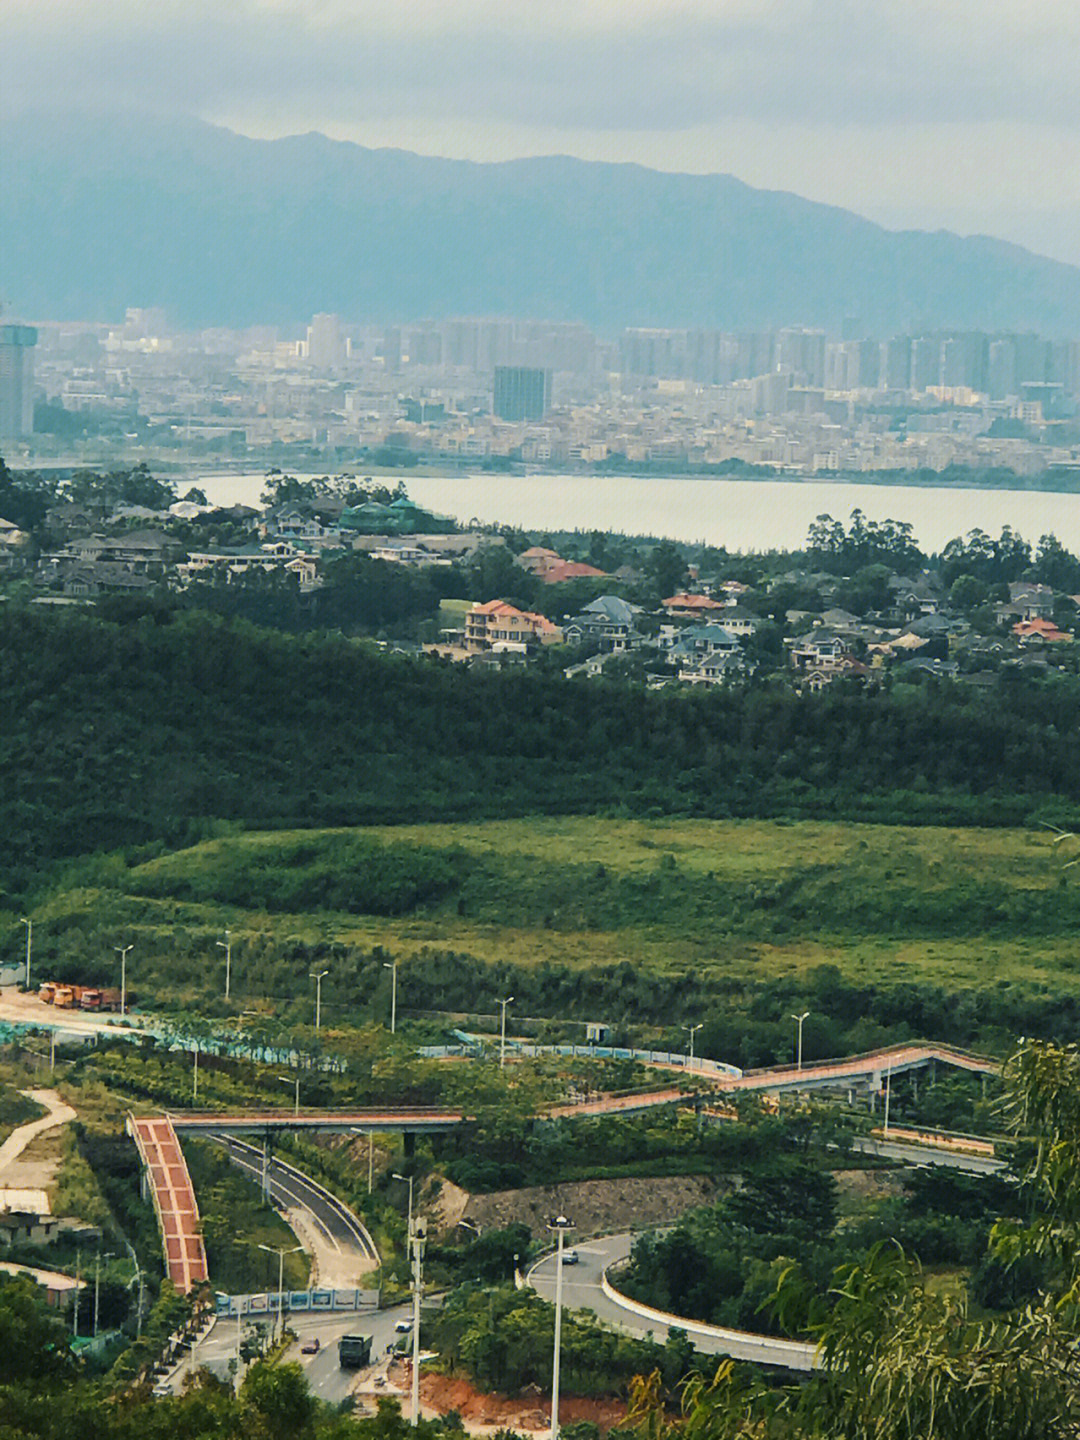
<point x="16" y="380"/>
<point x="326" y="347"/>
<point x="521" y="393"/>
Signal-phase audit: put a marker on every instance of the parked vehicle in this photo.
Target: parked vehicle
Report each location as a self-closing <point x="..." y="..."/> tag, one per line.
<point x="64" y="997"/>
<point x="310" y="1347"/>
<point x="47" y="992"/>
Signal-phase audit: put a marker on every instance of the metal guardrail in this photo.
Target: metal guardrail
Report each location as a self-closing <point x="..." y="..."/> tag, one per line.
<point x="745" y="1344"/>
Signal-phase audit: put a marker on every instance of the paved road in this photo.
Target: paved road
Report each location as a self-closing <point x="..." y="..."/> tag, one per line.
<point x="930" y="1155"/>
<point x="324" y="1375"/>
<point x="345" y="1248"/>
<point x="582" y="1290"/>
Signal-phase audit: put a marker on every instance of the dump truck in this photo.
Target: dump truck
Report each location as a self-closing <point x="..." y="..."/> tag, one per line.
<point x="354" y="1351"/>
<point x="47" y="992"/>
<point x="64" y="997"/>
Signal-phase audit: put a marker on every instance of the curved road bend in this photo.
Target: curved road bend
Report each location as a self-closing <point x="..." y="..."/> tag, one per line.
<point x="338" y="1229"/>
<point x="582" y="1290"/>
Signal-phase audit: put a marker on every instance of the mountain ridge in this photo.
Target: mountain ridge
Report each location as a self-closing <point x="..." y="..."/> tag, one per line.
<point x="219" y="228"/>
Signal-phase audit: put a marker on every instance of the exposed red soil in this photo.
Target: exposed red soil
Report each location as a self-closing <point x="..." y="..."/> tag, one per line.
<point x="530" y="1412"/>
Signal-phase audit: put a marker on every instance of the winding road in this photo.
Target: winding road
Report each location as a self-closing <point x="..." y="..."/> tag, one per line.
<point x="584" y="1289"/>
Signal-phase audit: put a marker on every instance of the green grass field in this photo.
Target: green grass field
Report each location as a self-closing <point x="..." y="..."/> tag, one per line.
<point x="723" y="901"/>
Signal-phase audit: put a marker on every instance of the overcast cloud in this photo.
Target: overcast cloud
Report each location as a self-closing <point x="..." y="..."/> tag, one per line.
<point x="964" y="114"/>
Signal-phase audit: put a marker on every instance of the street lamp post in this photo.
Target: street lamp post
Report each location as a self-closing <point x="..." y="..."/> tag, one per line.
<point x="417" y="1239"/>
<point x="502" y="1032"/>
<point x="195" y="1077"/>
<point x="798" y="1044"/>
<point x="692" y="1029"/>
<point x="122" y="951"/>
<point x="392" y="967"/>
<point x="97" y="1284"/>
<point x="888" y="1089"/>
<point x="280" y="1252"/>
<point x="408" y="1179"/>
<point x="317" y="976"/>
<point x="23" y="920"/>
<point x="226" y="945"/>
<point x="559" y="1225"/>
<point x="293" y="1080"/>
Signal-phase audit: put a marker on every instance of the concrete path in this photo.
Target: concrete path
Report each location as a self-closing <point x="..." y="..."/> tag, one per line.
<point x="60" y="1113"/>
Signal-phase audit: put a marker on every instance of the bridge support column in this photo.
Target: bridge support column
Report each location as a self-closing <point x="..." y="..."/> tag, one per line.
<point x="409" y="1144"/>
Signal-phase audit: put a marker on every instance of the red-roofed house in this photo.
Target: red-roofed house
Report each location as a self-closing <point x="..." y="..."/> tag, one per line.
<point x="498" y="625"/>
<point x="1041" y="631"/>
<point x="690" y="605"/>
<point x="537" y="560"/>
<point x="570" y="570"/>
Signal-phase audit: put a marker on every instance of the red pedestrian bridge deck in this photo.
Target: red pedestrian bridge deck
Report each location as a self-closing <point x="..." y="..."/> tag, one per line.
<point x="174" y="1200"/>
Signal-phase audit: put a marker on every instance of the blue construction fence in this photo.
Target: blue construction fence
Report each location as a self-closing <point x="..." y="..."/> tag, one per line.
<point x="271" y="1302"/>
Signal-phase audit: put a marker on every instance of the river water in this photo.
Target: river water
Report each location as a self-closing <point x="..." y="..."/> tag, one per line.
<point x="742" y="515"/>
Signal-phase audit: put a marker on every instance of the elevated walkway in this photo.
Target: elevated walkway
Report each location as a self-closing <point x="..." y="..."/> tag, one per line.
<point x="174" y="1200"/>
<point x="869" y="1069"/>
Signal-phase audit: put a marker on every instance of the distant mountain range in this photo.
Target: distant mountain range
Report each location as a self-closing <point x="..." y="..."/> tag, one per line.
<point x="100" y="213"/>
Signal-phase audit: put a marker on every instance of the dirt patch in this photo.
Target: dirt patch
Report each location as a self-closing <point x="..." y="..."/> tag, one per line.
<point x="529" y="1413"/>
<point x="856" y="1187"/>
<point x="597" y="1207"/>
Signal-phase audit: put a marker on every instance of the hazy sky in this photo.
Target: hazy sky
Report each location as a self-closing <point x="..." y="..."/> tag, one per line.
<point x="963" y="114"/>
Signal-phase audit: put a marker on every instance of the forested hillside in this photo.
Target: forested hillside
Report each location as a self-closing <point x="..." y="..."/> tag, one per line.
<point x="120" y="734"/>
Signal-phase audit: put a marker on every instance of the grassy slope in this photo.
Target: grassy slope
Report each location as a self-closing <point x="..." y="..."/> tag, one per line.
<point x="740" y="899"/>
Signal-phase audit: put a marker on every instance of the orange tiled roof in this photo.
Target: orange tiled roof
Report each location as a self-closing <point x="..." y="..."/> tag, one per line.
<point x="691" y="602"/>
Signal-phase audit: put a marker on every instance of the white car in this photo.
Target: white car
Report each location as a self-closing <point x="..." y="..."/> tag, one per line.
<point x="570" y="1257"/>
<point x="403" y="1327"/>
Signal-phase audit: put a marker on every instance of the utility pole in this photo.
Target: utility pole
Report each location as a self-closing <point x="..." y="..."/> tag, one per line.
<point x="370" y="1161"/>
<point x="226" y="945"/>
<point x="195" y="1077"/>
<point x="502" y="1033"/>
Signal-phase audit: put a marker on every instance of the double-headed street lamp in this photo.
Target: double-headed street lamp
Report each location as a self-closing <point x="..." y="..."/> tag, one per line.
<point x="798" y="1044"/>
<point x="559" y="1226"/>
<point x="226" y="945"/>
<point x="502" y="1032"/>
<point x="317" y="976"/>
<point x="122" y="951"/>
<point x="692" y="1030"/>
<point x="280" y="1252"/>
